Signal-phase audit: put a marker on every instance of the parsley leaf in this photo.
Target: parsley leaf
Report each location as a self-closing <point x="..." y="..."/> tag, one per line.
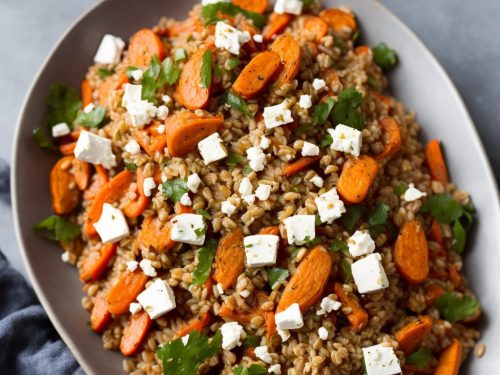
<point x="42" y="140"/>
<point x="57" y="228"/>
<point x="345" y="266"/>
<point x="209" y="13"/>
<point x="204" y="213"/>
<point x="317" y="220"/>
<point x="149" y="79"/>
<point x="252" y="370"/>
<point x="180" y="54"/>
<point x="344" y="112"/>
<point x="206" y="256"/>
<point x="170" y="72"/>
<point x="103" y="72"/>
<point x="384" y="56"/>
<point x="294" y="251"/>
<point x="206" y="69"/>
<point x="339" y="245"/>
<point x="200" y="231"/>
<point x="322" y="111"/>
<point x="420" y="358"/>
<point x="237" y="102"/>
<point x="400" y="189"/>
<point x="379" y="215"/>
<point x="352" y="216"/>
<point x="247" y="170"/>
<point x="92" y="119"/>
<point x="460" y="236"/>
<point x="453" y="308"/>
<point x="276" y="275"/>
<point x="180" y="359"/>
<point x="174" y="189"/>
<point x="233" y="62"/>
<point x="443" y="208"/>
<point x="326" y="141"/>
<point x="251" y="341"/>
<point x="63" y="104"/>
<point x="233" y="159"/>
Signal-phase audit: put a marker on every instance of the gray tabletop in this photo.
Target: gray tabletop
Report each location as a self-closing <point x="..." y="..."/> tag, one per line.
<point x="462" y="34"/>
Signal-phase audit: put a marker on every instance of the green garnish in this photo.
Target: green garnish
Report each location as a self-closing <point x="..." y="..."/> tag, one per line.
<point x="420" y="358"/>
<point x="294" y="251"/>
<point x="307" y="2"/>
<point x="252" y="370"/>
<point x="322" y="111"/>
<point x="174" y="189"/>
<point x="204" y="213"/>
<point x="345" y="266"/>
<point x="339" y="245"/>
<point x="158" y="75"/>
<point x="251" y="341"/>
<point x="384" y="56"/>
<point x="233" y="62"/>
<point x="103" y="72"/>
<point x="237" y="102"/>
<point x="200" y="231"/>
<point x="209" y="13"/>
<point x="352" y="216"/>
<point x="57" y="228"/>
<point x="400" y="189"/>
<point x="92" y="119"/>
<point x="311" y="242"/>
<point x="453" y="308"/>
<point x="233" y="159"/>
<point x="276" y="275"/>
<point x="356" y="35"/>
<point x="247" y="170"/>
<point x="326" y="141"/>
<point x="170" y="72"/>
<point x="206" y="69"/>
<point x="131" y="167"/>
<point x="377" y="219"/>
<point x="345" y="110"/>
<point x="42" y="140"/>
<point x="206" y="256"/>
<point x="63" y="104"/>
<point x="180" y="54"/>
<point x="317" y="220"/>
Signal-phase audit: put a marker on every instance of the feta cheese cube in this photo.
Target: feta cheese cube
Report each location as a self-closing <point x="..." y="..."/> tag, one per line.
<point x="258" y="38"/>
<point x="318" y="84"/>
<point x="256" y="158"/>
<point x="133" y="147"/>
<point x="110" y="50"/>
<point x="89" y="108"/>
<point x="193" y="182"/>
<point x="412" y="194"/>
<point x="188" y="228"/>
<point x="284" y="334"/>
<point x="134" y="308"/>
<point x="261" y="249"/>
<point x="137" y="74"/>
<point x="132" y="265"/>
<point x="185" y="200"/>
<point x="360" y="243"/>
<point x="212" y="149"/>
<point x="148" y="185"/>
<point x="262" y="353"/>
<point x="369" y="274"/>
<point x="264" y="142"/>
<point x="277" y="115"/>
<point x="305" y="101"/>
<point x="317" y="181"/>
<point x="245" y="187"/>
<point x="323" y="333"/>
<point x="131" y="93"/>
<point x="274" y="369"/>
<point x="328" y="305"/>
<point x="231" y="335"/>
<point x="228" y="208"/>
<point x="112" y="226"/>
<point x="346" y="139"/>
<point x="310" y="149"/>
<point x="147" y="267"/>
<point x="300" y="229"/>
<point x="381" y="360"/>
<point x="263" y="192"/>
<point x="157" y="299"/>
<point x="141" y="112"/>
<point x="288" y="6"/>
<point x="60" y="130"/>
<point x="230" y="38"/>
<point x="329" y="205"/>
<point x="162" y="113"/>
<point x="95" y="149"/>
<point x="290" y="318"/>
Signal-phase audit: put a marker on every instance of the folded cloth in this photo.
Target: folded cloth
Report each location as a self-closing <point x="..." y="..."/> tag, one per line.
<point x="28" y="341"/>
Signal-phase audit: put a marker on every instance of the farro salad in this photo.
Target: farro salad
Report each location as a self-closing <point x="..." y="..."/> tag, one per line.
<point x="240" y="195"/>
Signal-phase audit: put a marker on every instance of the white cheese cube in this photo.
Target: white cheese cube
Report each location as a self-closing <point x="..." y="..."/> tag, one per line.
<point x="112" y="226"/>
<point x="262" y="353"/>
<point x="141" y="112"/>
<point x="310" y="149"/>
<point x="60" y="130"/>
<point x="412" y="194"/>
<point x="188" y="228"/>
<point x="231" y="335"/>
<point x="133" y="147"/>
<point x="132" y="265"/>
<point x="89" y="108"/>
<point x="274" y="369"/>
<point x="360" y="243"/>
<point x="317" y="181"/>
<point x="290" y="318"/>
<point x="162" y="113"/>
<point x="300" y="229"/>
<point x="305" y="101"/>
<point x="245" y="187"/>
<point x="264" y="142"/>
<point x="277" y="115"/>
<point x="148" y="185"/>
<point x="288" y="6"/>
<point x="261" y="249"/>
<point x="131" y="94"/>
<point x="329" y="205"/>
<point x="284" y="334"/>
<point x="193" y="182"/>
<point x="230" y="38"/>
<point x="323" y="333"/>
<point x="95" y="149"/>
<point x="318" y="84"/>
<point x="147" y="267"/>
<point x="185" y="200"/>
<point x="346" y="139"/>
<point x="263" y="192"/>
<point x="157" y="299"/>
<point x="256" y="158"/>
<point x="381" y="360"/>
<point x="110" y="50"/>
<point x="369" y="274"/>
<point x="258" y="38"/>
<point x="134" y="308"/>
<point x="228" y="208"/>
<point x="137" y="74"/>
<point x="212" y="149"/>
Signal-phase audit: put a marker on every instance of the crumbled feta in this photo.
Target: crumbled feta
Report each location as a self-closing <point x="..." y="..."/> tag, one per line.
<point x="262" y="353"/>
<point x="137" y="74"/>
<point x="60" y="130"/>
<point x="65" y="257"/>
<point x="140" y="112"/>
<point x="185" y="200"/>
<point x="228" y="208"/>
<point x="110" y="50"/>
<point x="258" y="38"/>
<point x="245" y="187"/>
<point x="230" y="38"/>
<point x="323" y="333"/>
<point x="318" y="84"/>
<point x="134" y="308"/>
<point x="274" y="369"/>
<point x="290" y="318"/>
<point x="161" y="128"/>
<point x="300" y="229"/>
<point x="381" y="360"/>
<point x="284" y="334"/>
<point x="89" y="108"/>
<point x="249" y="199"/>
<point x="193" y="182"/>
<point x="157" y="299"/>
<point x="231" y="335"/>
<point x="256" y="158"/>
<point x="219" y="288"/>
<point x="263" y="192"/>
<point x="261" y="249"/>
<point x="185" y="228"/>
<point x="148" y="185"/>
<point x="212" y="149"/>
<point x="112" y="226"/>
<point x="360" y="243"/>
<point x="318" y="181"/>
<point x="131" y="93"/>
<point x="95" y="149"/>
<point x="166" y="99"/>
<point x="132" y="265"/>
<point x="162" y="112"/>
<point x="185" y="339"/>
<point x="412" y="194"/>
<point x="208" y="2"/>
<point x="346" y="139"/>
<point x="277" y="115"/>
<point x="147" y="267"/>
<point x="305" y="101"/>
<point x="264" y="142"/>
<point x="328" y="305"/>
<point x="288" y="6"/>
<point x="369" y="274"/>
<point x="310" y="149"/>
<point x="133" y="147"/>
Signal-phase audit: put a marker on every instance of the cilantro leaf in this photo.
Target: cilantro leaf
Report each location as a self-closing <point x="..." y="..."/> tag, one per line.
<point x="209" y="13"/>
<point x="237" y="102"/>
<point x="420" y="358"/>
<point x="63" y="104"/>
<point x="57" y="228"/>
<point x="276" y="275"/>
<point x="251" y="341"/>
<point x="204" y="213"/>
<point x="345" y="110"/>
<point x="326" y="141"/>
<point x="345" y="266"/>
<point x="233" y="159"/>
<point x="206" y="69"/>
<point x="377" y="219"/>
<point x="180" y="359"/>
<point x="206" y="256"/>
<point x="384" y="56"/>
<point x="252" y="370"/>
<point x="453" y="308"/>
<point x="460" y="236"/>
<point x="443" y="208"/>
<point x="92" y="119"/>
<point x="400" y="189"/>
<point x="42" y="140"/>
<point x="322" y="111"/>
<point x="352" y="216"/>
<point x="174" y="189"/>
<point x="103" y="72"/>
<point x="149" y="79"/>
<point x="339" y="245"/>
<point x="170" y="73"/>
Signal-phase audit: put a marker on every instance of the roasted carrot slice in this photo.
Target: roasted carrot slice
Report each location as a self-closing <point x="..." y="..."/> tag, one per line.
<point x="309" y="280"/>
<point x="156" y="235"/>
<point x="435" y="161"/>
<point x="270" y="230"/>
<point x="67" y="148"/>
<point x="258" y="6"/>
<point x="338" y="19"/>
<point x="109" y="85"/>
<point x="144" y="45"/>
<point x="454" y="275"/>
<point x="189" y="92"/>
<point x="136" y="207"/>
<point x="86" y="93"/>
<point x="102" y="173"/>
<point x="291" y="169"/>
<point x="96" y="263"/>
<point x="290" y="54"/>
<point x="393" y="135"/>
<point x="135" y="332"/>
<point x="316" y="27"/>
<point x="125" y="291"/>
<point x="185" y="129"/>
<point x="150" y="140"/>
<point x="411" y="253"/>
<point x="257" y="75"/>
<point x="449" y="360"/>
<point x="182" y="209"/>
<point x="358" y="317"/>
<point x="100" y="316"/>
<point x="81" y="171"/>
<point x="357" y="177"/>
<point x="411" y="336"/>
<point x="229" y="259"/>
<point x="99" y="181"/>
<point x="186" y="27"/>
<point x="276" y="23"/>
<point x="196" y="324"/>
<point x="64" y="197"/>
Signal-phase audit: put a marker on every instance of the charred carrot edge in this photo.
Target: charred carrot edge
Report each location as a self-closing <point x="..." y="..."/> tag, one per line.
<point x="290" y="53"/>
<point x="411" y="336"/>
<point x="358" y="317"/>
<point x="125" y="291"/>
<point x="391" y="128"/>
<point x="95" y="264"/>
<point x="411" y="253"/>
<point x="229" y="259"/>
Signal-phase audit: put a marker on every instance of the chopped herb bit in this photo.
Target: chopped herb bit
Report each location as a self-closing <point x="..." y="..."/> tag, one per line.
<point x="276" y="275"/>
<point x="345" y="266"/>
<point x="210" y="13"/>
<point x="356" y="35"/>
<point x="206" y="69"/>
<point x="251" y="341"/>
<point x="42" y="140"/>
<point x="129" y="70"/>
<point x="174" y="189"/>
<point x="326" y="141"/>
<point x="217" y="71"/>
<point x="379" y="215"/>
<point x="345" y="110"/>
<point x="384" y="56"/>
<point x="200" y="231"/>
<point x="294" y="251"/>
<point x="131" y="167"/>
<point x="339" y="245"/>
<point x="149" y="80"/>
<point x="317" y="220"/>
<point x="252" y="370"/>
<point x="352" y="216"/>
<point x="206" y="256"/>
<point x="322" y="111"/>
<point x="233" y="62"/>
<point x="400" y="189"/>
<point x="57" y="228"/>
<point x="247" y="170"/>
<point x="92" y="119"/>
<point x="103" y="72"/>
<point x="339" y="43"/>
<point x="307" y="3"/>
<point x="314" y="241"/>
<point x="460" y="237"/>
<point x="372" y="82"/>
<point x="170" y="72"/>
<point x="233" y="159"/>
<point x="237" y="102"/>
<point x="421" y="358"/>
<point x="204" y="213"/>
<point x="63" y="104"/>
<point x="453" y="308"/>
<point x="180" y="54"/>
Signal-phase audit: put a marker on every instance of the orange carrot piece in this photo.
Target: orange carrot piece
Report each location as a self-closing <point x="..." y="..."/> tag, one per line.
<point x="270" y="230"/>
<point x="189" y="92"/>
<point x="100" y="316"/>
<point x="357" y="177"/>
<point x="136" y="207"/>
<point x="102" y="173"/>
<point x="185" y="129"/>
<point x="186" y="27"/>
<point x="81" y="171"/>
<point x="432" y="293"/>
<point x="125" y="291"/>
<point x="316" y="27"/>
<point x="86" y="93"/>
<point x="358" y="317"/>
<point x="393" y="135"/>
<point x="64" y="199"/>
<point x="411" y="336"/>
<point x="362" y="50"/>
<point x="197" y="324"/>
<point x="257" y="74"/>
<point x="150" y="140"/>
<point x="144" y="45"/>
<point x="257" y="6"/>
<point x="411" y="253"/>
<point x="67" y="148"/>
<point x="309" y="280"/>
<point x="109" y="85"/>
<point x="291" y="169"/>
<point x="135" y="332"/>
<point x="290" y="54"/>
<point x="449" y="360"/>
<point x="155" y="234"/>
<point x="338" y="19"/>
<point x="435" y="162"/>
<point x="182" y="209"/>
<point x="229" y="259"/>
<point x="99" y="181"/>
<point x="276" y="23"/>
<point x="96" y="263"/>
<point x="455" y="277"/>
